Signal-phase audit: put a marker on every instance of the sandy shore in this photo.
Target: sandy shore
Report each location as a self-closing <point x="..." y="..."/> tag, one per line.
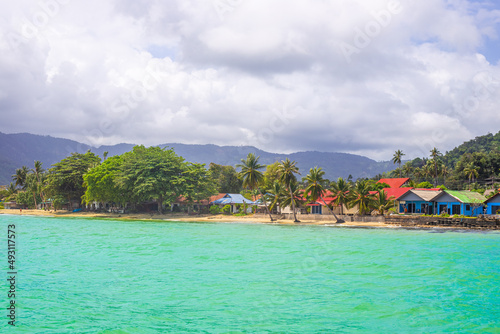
<point x="188" y="218"/>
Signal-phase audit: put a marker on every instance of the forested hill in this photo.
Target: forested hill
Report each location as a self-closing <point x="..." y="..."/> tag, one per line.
<point x="486" y="143"/>
<point x="23" y="149"/>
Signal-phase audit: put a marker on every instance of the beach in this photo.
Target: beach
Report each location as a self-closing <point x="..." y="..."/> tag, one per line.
<point x="182" y="217"/>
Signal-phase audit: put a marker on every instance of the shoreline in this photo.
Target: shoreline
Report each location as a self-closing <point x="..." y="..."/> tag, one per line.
<point x="177" y="217"/>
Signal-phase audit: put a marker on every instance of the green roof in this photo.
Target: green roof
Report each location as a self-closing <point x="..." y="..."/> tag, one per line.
<point x="466" y="196"/>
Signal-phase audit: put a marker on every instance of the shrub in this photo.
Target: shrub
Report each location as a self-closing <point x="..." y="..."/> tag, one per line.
<point x="1" y="206"/>
<point x="214" y="209"/>
<point x="240" y="214"/>
<point x="392" y="211"/>
<point x="424" y="185"/>
<point x="226" y="208"/>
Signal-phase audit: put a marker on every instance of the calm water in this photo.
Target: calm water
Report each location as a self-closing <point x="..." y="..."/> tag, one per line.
<point x="103" y="276"/>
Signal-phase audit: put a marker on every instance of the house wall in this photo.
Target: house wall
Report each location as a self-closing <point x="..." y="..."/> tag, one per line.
<point x="492" y="208"/>
<point x="416" y="207"/>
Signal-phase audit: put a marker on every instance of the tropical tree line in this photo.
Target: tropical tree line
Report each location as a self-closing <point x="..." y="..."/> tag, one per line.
<point x="280" y="188"/>
<point x="141" y="175"/>
<point x="158" y="174"/>
<point x="473" y="171"/>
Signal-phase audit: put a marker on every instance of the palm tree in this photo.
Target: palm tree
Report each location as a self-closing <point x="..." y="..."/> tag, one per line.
<point x="445" y="171"/>
<point x="382" y="203"/>
<point x="276" y="195"/>
<point x="38" y="170"/>
<point x="340" y="191"/>
<point x="471" y="171"/>
<point x="315" y="189"/>
<point x="20" y="177"/>
<point x="293" y="198"/>
<point x="11" y="190"/>
<point x="287" y="171"/>
<point x="361" y="196"/>
<point x="252" y="176"/>
<point x="408" y="169"/>
<point x="32" y="186"/>
<point x="435" y="154"/>
<point x="396" y="159"/>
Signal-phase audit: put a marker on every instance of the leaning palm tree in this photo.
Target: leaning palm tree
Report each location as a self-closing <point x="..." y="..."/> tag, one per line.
<point x="361" y="197"/>
<point x="396" y="159"/>
<point x="287" y="171"/>
<point x="252" y="176"/>
<point x="340" y="190"/>
<point x="293" y="198"/>
<point x="315" y="189"/>
<point x="435" y="154"/>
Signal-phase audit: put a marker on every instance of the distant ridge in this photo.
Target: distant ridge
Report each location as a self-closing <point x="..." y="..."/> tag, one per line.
<point x="22" y="149"/>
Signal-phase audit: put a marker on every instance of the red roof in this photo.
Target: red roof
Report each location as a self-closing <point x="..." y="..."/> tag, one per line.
<point x="216" y="197"/>
<point x="396" y="192"/>
<point x="394" y="183"/>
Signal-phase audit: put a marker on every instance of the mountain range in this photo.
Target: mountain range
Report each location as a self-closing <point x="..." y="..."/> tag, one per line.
<point x="22" y="149"/>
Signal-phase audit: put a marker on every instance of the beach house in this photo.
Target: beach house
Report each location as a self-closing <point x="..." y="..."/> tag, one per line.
<point x="459" y="202"/>
<point x="493" y="205"/>
<point x="234" y="200"/>
<point x="419" y="201"/>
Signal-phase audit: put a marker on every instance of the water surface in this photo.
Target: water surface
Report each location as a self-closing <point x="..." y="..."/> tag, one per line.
<point x="106" y="276"/>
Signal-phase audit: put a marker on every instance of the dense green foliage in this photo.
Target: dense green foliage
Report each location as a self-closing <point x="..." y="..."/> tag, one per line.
<point x="145" y="176"/>
<point x="65" y="179"/>
<point x="473" y="165"/>
<point x="226" y="178"/>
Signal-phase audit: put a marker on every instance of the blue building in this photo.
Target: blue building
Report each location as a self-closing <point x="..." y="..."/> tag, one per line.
<point x="233" y="200"/>
<point x="459" y="202"/>
<point x="493" y="205"/>
<point x="419" y="201"/>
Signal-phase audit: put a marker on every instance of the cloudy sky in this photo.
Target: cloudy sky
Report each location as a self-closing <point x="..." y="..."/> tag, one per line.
<point x="365" y="77"/>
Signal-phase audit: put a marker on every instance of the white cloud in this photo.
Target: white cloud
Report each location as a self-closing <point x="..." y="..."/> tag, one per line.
<point x="269" y="74"/>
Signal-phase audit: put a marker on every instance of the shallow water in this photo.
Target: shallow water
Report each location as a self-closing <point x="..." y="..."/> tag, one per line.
<point x="105" y="276"/>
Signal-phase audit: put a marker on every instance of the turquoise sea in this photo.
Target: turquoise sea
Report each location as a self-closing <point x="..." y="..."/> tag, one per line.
<point x="107" y="276"/>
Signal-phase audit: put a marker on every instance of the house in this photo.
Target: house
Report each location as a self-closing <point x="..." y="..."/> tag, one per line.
<point x="459" y="202"/>
<point x="319" y="207"/>
<point x="493" y="205"/>
<point x="182" y="204"/>
<point x="418" y="201"/>
<point x="233" y="200"/>
<point x="11" y="205"/>
<point x="395" y="182"/>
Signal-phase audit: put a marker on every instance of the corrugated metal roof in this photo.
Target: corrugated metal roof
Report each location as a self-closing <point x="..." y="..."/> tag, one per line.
<point x="466" y="196"/>
<point x="233" y="199"/>
<point x="426" y="195"/>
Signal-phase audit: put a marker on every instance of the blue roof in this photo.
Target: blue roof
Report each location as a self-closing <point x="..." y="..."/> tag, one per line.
<point x="232" y="199"/>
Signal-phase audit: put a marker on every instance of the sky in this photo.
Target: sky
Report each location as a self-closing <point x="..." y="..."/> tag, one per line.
<point x="366" y="77"/>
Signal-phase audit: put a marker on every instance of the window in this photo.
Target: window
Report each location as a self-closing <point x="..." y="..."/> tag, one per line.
<point x="455" y="209"/>
<point x="467" y="207"/>
<point x="316" y="210"/>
